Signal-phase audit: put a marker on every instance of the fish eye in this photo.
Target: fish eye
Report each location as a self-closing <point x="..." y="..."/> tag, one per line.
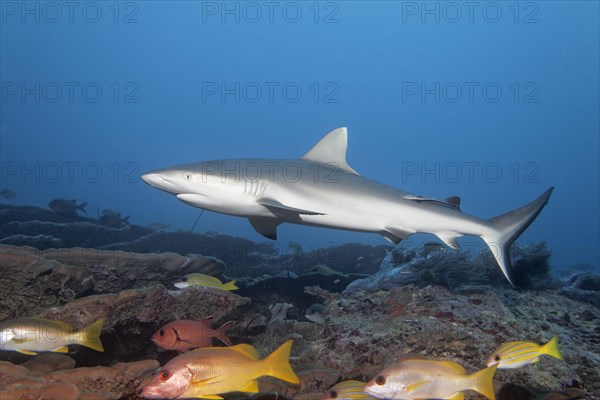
<point x="161" y="332"/>
<point x="380" y="380"/>
<point x="497" y="358"/>
<point x="164" y="375"/>
<point x="187" y="176"/>
<point x="333" y="394"/>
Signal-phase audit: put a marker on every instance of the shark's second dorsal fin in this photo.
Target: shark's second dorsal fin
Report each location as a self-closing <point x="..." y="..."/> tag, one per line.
<point x="331" y="149"/>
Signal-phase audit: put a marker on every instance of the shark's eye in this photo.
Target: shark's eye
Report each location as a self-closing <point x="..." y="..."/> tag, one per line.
<point x="161" y="332"/>
<point x="164" y="375"/>
<point x="333" y="394"/>
<point x="497" y="358"/>
<point x="380" y="380"/>
<point x="187" y="176"/>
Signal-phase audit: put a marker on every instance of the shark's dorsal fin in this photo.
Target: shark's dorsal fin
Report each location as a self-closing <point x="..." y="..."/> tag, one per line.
<point x="331" y="150"/>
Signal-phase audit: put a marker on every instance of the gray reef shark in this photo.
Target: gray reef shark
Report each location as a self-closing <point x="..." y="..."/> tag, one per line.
<point x="321" y="189"/>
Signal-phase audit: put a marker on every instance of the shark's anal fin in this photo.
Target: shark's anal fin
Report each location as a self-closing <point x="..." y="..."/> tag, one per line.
<point x="331" y="150"/>
<point x="265" y="226"/>
<point x="449" y="238"/>
<point x="278" y="208"/>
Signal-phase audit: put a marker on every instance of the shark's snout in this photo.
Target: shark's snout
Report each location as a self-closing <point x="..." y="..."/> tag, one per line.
<point x="152" y="178"/>
<point x="158" y="181"/>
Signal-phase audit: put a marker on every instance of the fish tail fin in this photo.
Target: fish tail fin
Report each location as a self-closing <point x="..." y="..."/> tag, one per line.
<point x="230" y="285"/>
<point x="82" y="207"/>
<point x="90" y="336"/>
<point x="551" y="348"/>
<point x="278" y="364"/>
<point x="483" y="381"/>
<point x="220" y="333"/>
<point x="508" y="227"/>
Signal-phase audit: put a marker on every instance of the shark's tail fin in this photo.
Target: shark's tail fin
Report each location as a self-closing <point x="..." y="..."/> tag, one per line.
<point x="508" y="227"/>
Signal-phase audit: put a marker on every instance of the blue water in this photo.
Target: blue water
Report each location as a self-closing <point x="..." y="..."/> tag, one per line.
<point x="492" y="101"/>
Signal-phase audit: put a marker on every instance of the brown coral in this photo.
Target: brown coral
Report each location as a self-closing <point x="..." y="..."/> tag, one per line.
<point x="97" y="383"/>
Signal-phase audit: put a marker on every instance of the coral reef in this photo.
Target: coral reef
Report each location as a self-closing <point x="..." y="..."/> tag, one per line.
<point x="34" y="280"/>
<point x="460" y="272"/>
<point x="583" y="286"/>
<point x="45" y="229"/>
<point x="96" y="383"/>
<point x="367" y="330"/>
<point x="439" y="303"/>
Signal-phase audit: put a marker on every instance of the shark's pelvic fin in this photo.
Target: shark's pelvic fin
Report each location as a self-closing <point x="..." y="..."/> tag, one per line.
<point x="332" y="150"/>
<point x="508" y="227"/>
<point x="265" y="226"/>
<point x="395" y="235"/>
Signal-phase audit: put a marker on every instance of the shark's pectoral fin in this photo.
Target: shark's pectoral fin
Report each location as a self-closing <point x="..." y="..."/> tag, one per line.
<point x="449" y="238"/>
<point x="395" y="235"/>
<point x="452" y="202"/>
<point x="265" y="226"/>
<point x="279" y="208"/>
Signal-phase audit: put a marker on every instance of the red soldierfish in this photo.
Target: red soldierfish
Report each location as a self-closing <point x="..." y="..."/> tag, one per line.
<point x="184" y="335"/>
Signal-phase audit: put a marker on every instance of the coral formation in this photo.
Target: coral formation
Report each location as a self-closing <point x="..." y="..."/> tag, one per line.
<point x="436" y="302"/>
<point x="583" y="286"/>
<point x="367" y="330"/>
<point x="96" y="383"/>
<point x="44" y="229"/>
<point x="458" y="271"/>
<point x="53" y="277"/>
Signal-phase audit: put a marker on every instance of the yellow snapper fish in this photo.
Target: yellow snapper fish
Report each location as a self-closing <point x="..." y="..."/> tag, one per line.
<point x="347" y="390"/>
<point x="517" y="354"/>
<point x="419" y="378"/>
<point x="207" y="372"/>
<point x="206" y="281"/>
<point x="30" y="335"/>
